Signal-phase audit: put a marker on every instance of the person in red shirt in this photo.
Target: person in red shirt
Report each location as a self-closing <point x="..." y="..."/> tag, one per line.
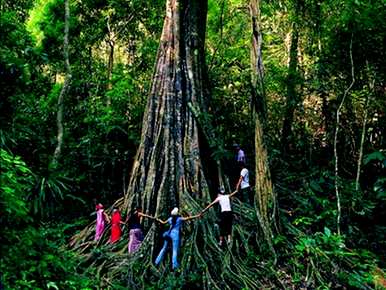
<point x="115" y="225"/>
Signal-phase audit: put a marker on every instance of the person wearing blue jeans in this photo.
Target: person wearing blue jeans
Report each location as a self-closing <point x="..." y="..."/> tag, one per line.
<point x="173" y="235"/>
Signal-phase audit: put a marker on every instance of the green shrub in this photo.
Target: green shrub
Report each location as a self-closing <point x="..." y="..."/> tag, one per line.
<point x="33" y="254"/>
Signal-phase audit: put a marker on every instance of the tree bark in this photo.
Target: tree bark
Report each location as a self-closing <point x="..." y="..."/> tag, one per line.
<point x="167" y="170"/>
<point x="263" y="188"/>
<point x="257" y="67"/>
<point x="110" y="64"/>
<point x="66" y="85"/>
<point x="292" y="96"/>
<point x="363" y="135"/>
<point x="337" y="125"/>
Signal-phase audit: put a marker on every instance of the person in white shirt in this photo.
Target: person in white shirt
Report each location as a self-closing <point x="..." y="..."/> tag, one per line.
<point x="226" y="215"/>
<point x="243" y="184"/>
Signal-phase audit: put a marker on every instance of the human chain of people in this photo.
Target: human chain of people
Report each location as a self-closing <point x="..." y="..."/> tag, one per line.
<point x="175" y="221"/>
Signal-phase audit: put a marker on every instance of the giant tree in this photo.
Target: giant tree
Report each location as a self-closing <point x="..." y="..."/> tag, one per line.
<point x="168" y="169"/>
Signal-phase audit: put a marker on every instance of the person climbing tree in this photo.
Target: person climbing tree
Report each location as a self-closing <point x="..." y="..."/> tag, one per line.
<point x="240" y="157"/>
<point x="135" y="233"/>
<point x="226" y="215"/>
<point x="102" y="217"/>
<point x="173" y="234"/>
<point x="243" y="184"/>
<point x="115" y="225"/>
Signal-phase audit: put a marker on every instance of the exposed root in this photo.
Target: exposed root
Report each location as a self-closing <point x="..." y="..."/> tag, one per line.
<point x="203" y="263"/>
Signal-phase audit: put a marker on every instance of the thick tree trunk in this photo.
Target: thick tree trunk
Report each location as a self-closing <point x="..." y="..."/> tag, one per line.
<point x="263" y="188"/>
<point x="257" y="68"/>
<point x="167" y="167"/>
<point x="167" y="170"/>
<point x="66" y="85"/>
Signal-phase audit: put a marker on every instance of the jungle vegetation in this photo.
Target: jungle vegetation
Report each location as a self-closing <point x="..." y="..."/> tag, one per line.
<point x="129" y="102"/>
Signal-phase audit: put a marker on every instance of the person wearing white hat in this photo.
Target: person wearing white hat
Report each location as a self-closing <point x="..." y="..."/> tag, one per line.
<point x="226" y="215"/>
<point x="173" y="234"/>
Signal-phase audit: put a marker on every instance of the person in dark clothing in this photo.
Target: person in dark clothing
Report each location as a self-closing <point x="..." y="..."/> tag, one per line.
<point x="135" y="233"/>
<point x="226" y="215"/>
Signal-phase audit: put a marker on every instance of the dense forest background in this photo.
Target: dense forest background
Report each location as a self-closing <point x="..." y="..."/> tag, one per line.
<point x="71" y="113"/>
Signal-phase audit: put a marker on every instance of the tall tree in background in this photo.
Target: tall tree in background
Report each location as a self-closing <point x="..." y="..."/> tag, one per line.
<point x="292" y="99"/>
<point x="111" y="44"/>
<point x="264" y="191"/>
<point x="66" y="85"/>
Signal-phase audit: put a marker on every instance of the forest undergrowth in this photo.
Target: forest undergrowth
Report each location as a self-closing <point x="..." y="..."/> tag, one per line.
<point x="308" y="254"/>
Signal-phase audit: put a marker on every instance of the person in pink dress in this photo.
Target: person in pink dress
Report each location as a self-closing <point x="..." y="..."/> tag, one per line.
<point x="102" y="217"/>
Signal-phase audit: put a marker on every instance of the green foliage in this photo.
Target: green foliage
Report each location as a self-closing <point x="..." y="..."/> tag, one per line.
<point x="322" y="261"/>
<point x="36" y="259"/>
<point x="38" y="13"/>
<point x="15" y="183"/>
<point x="229" y="71"/>
<point x="46" y="26"/>
<point x="100" y="140"/>
<point x="375" y="156"/>
<point x="126" y="110"/>
<point x="32" y="254"/>
<point x="49" y="193"/>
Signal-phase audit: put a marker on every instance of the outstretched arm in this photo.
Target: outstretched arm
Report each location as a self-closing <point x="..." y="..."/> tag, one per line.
<point x="239" y="182"/>
<point x="147" y="216"/>
<point x="161" y="221"/>
<point x="233" y="193"/>
<point x="191" y="217"/>
<point x="106" y="217"/>
<point x="153" y="218"/>
<point x="209" y="206"/>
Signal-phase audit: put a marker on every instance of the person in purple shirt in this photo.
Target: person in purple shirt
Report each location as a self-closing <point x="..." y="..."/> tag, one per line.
<point x="240" y="158"/>
<point x="135" y="233"/>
